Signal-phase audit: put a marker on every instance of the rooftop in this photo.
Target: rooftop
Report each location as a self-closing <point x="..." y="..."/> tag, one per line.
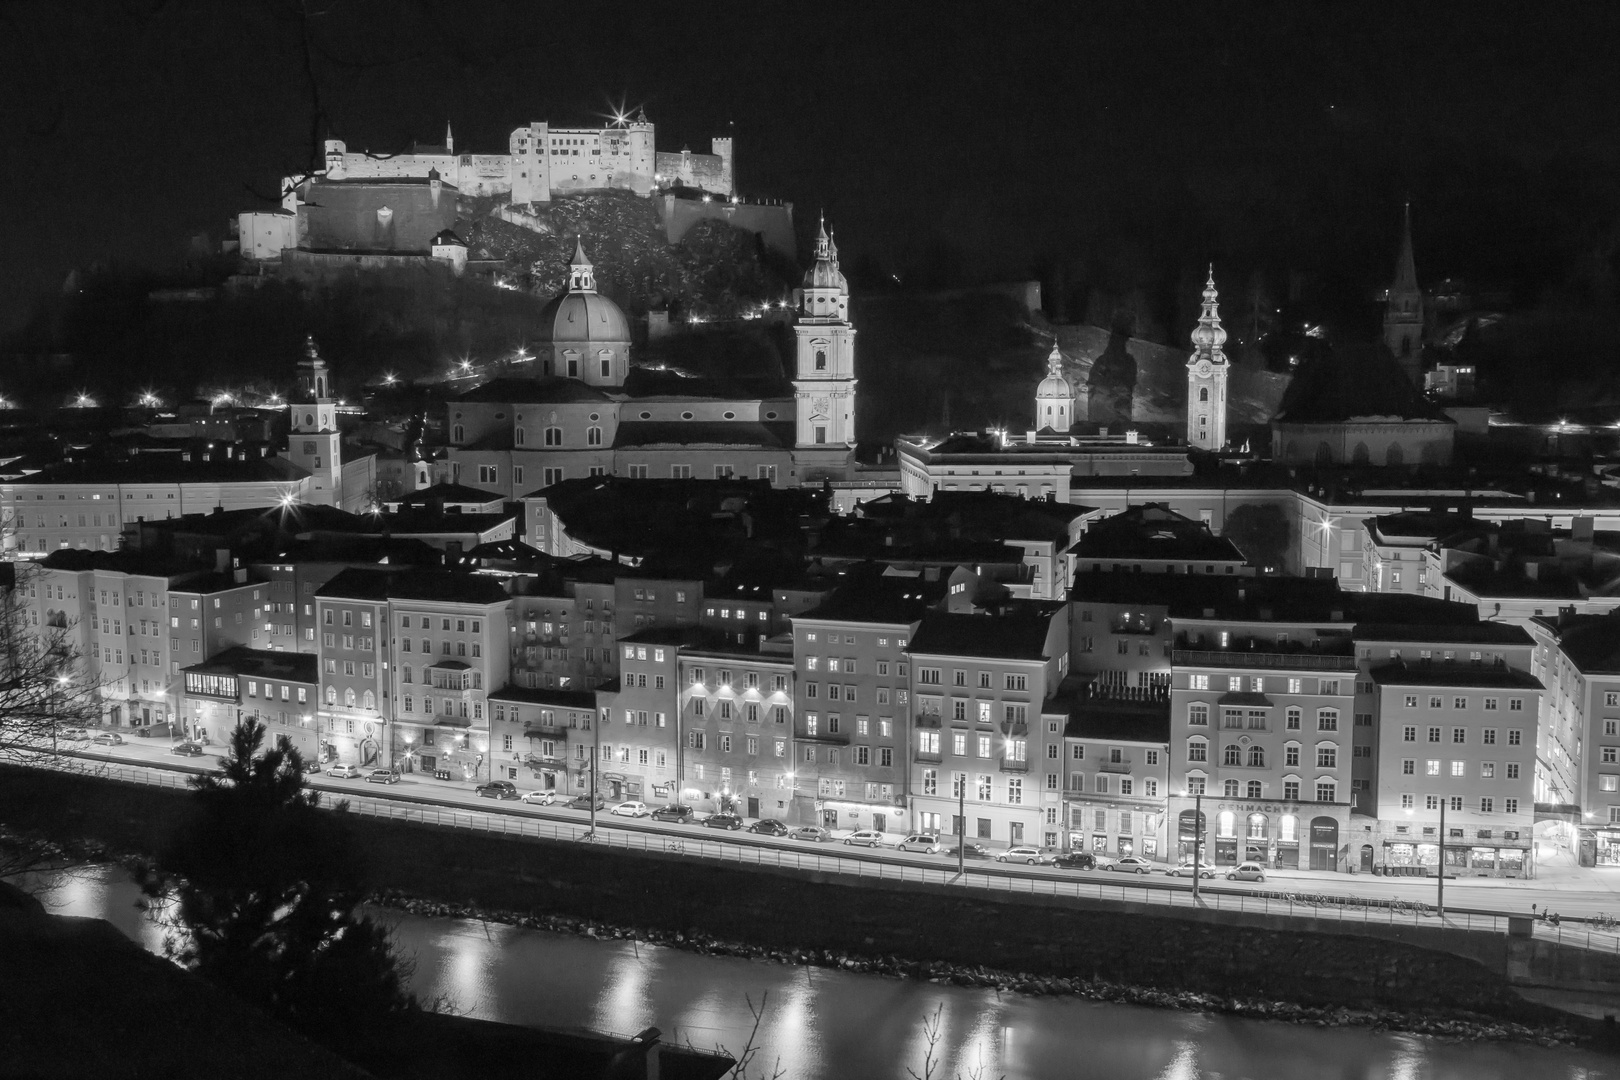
<point x="1020" y="632"/>
<point x="445" y="587"/>
<point x="535" y="695"/>
<point x="1455" y="673"/>
<point x="1154" y="531"/>
<point x="263" y="664"/>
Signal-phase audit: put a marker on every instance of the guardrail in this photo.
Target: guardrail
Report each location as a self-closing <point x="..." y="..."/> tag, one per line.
<point x="1138" y="889"/>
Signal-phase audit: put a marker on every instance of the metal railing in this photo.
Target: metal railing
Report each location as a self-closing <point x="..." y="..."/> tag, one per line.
<point x="1244" y="658"/>
<point x="1599" y="934"/>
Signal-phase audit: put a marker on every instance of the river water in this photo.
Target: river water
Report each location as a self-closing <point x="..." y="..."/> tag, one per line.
<point x="822" y="1025"/>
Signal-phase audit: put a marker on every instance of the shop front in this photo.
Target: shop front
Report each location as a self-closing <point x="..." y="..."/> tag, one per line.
<point x="1273" y="834"/>
<point x="1462" y="860"/>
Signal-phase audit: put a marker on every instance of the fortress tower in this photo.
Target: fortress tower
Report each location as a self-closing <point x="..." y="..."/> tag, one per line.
<point x="1206" y="376"/>
<point x="643" y="155"/>
<point x="1403" y="313"/>
<point x="721" y="148"/>
<point x="531" y="166"/>
<point x="314" y="443"/>
<point x="824" y="377"/>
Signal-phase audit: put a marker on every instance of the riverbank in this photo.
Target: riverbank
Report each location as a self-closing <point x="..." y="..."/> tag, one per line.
<point x="1107" y="951"/>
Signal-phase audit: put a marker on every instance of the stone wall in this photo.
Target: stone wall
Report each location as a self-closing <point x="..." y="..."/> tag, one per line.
<point x="773" y="223"/>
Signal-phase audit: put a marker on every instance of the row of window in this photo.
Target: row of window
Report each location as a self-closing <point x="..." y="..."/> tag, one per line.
<point x="1259" y="719"/>
<point x="1460" y="735"/>
<point x="1326" y="790"/>
<point x="1437" y="701"/>
<point x="1257" y="684"/>
<point x="1327" y="755"/>
<point x="1487" y="769"/>
<point x="932" y="676"/>
<point x="1486" y="804"/>
<point x="983" y="789"/>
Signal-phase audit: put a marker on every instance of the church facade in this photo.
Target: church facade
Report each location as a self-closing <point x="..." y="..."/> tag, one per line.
<point x="589" y="413"/>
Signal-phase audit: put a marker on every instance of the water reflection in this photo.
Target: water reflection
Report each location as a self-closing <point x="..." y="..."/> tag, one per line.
<point x="822" y="1025"/>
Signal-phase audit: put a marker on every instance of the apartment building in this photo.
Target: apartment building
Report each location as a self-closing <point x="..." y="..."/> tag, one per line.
<point x="563" y="631"/>
<point x="278" y="689"/>
<point x="1261" y="703"/>
<point x="1578" y="738"/>
<point x="737" y="706"/>
<point x="854" y="678"/>
<point x="531" y="732"/>
<point x="641" y="733"/>
<point x="980" y="764"/>
<point x="1115" y="758"/>
<point x="1120" y="631"/>
<point x="1458" y="735"/>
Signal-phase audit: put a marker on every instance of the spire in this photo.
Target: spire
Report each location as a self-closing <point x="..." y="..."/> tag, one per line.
<point x="1405" y="266"/>
<point x="449" y="139"/>
<point x="1054" y="363"/>
<point x="832" y="249"/>
<point x="1208" y="336"/>
<point x="823" y="241"/>
<point x="581" y="277"/>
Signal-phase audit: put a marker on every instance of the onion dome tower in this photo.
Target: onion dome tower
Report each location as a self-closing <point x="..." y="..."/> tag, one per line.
<point x="1207" y="370"/>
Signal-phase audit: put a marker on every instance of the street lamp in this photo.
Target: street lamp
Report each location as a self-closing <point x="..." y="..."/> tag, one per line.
<point x="1198" y="839"/>
<point x="1440" y="891"/>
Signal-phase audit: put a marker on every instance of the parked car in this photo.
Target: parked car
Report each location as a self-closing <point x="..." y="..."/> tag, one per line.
<point x="1130" y="864"/>
<point x="1249" y="871"/>
<point x="768" y="827"/>
<point x="673" y="812"/>
<point x="186" y="749"/>
<point x="723" y="821"/>
<point x="1205" y="869"/>
<point x="583" y="802"/>
<point x="343" y="771"/>
<point x="383" y="776"/>
<point x="108" y="738"/>
<point x="1026" y="854"/>
<point x="815" y="834"/>
<point x="928" y="845"/>
<point x="496" y="789"/>
<point x="312" y="768"/>
<point x="157" y="731"/>
<point x="1076" y="860"/>
<point x="968" y="851"/>
<point x="73" y="733"/>
<point x="631" y="808"/>
<point x="540" y="798"/>
<point x="864" y="838"/>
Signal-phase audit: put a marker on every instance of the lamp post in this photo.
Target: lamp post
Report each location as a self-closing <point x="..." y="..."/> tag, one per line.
<point x="1440" y="897"/>
<point x="1198" y="839"/>
<point x="961" y="826"/>
<point x="596" y="737"/>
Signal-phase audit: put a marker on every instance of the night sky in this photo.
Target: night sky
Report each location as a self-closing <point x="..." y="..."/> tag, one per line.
<point x="1125" y="144"/>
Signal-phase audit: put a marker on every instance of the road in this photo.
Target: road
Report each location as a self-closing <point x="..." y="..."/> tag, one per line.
<point x="1572" y="892"/>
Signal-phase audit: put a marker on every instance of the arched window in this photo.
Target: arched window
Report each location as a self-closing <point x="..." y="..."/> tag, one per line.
<point x="606" y="359"/>
<point x="1197" y="750"/>
<point x="1360" y="455"/>
<point x="405" y="673"/>
<point x="369" y="701"/>
<point x="1327" y="756"/>
<point x="458" y="434"/>
<point x="1257" y="757"/>
<point x="348" y="698"/>
<point x="821" y="359"/>
<point x="1394" y="455"/>
<point x="1232" y="755"/>
<point x="1257" y="822"/>
<point x="1226" y="821"/>
<point x="593" y="436"/>
<point x="518" y="436"/>
<point x="1327" y="719"/>
<point x="554" y="436"/>
<point x="1291" y="720"/>
<point x="331" y="695"/>
<point x="1203" y="393"/>
<point x="1288" y="829"/>
<point x="1231" y="790"/>
<point x="1255" y="788"/>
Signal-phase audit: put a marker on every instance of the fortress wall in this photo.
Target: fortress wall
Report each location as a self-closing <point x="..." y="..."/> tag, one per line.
<point x="774" y="222"/>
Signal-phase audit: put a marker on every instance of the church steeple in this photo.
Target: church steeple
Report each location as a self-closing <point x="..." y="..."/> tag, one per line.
<point x="1207" y="371"/>
<point x="824" y="378"/>
<point x="581" y="275"/>
<point x="1055" y="397"/>
<point x="449" y="139"/>
<point x="1403" y="312"/>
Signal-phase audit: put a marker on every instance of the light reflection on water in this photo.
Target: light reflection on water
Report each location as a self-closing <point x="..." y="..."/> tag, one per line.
<point x="827" y="1025"/>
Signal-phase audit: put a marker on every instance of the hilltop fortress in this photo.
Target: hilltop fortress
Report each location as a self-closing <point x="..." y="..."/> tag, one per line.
<point x="541" y="159"/>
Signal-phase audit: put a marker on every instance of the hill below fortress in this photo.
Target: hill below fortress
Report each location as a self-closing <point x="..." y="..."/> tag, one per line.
<point x="925" y="361"/>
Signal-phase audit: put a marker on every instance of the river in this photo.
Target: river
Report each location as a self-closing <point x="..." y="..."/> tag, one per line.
<point x="821" y="1025"/>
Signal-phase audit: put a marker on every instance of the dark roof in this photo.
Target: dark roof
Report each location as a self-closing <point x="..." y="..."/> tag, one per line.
<point x="535" y="695"/>
<point x="264" y="664"/>
<point x="1480" y="633"/>
<point x="166" y="469"/>
<point x="366" y="584"/>
<point x="1020" y="634"/>
<point x="122" y="561"/>
<point x="1154" y="531"/>
<point x="1591" y="642"/>
<point x="1119" y="721"/>
<point x="873" y="598"/>
<point x="1455" y="673"/>
<point x="450" y="493"/>
<point x="712" y="432"/>
<point x="1354" y="382"/>
<point x="422" y="520"/>
<point x="543" y="391"/>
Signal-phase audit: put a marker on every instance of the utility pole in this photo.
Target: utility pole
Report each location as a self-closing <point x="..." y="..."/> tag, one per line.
<point x="1198" y="839"/>
<point x="961" y="826"/>
<point x="1440" y="900"/>
<point x="596" y="739"/>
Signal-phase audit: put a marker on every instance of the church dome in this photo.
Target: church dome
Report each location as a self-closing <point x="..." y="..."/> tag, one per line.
<point x="1056" y="384"/>
<point x="583" y="317"/>
<point x="582" y="314"/>
<point x="824" y="272"/>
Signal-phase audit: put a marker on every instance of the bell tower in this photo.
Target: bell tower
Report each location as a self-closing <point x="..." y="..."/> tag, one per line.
<point x="1206" y="376"/>
<point x="1055" y="397"/>
<point x="1403" y="313"/>
<point x="824" y="375"/>
<point x="314" y="443"/>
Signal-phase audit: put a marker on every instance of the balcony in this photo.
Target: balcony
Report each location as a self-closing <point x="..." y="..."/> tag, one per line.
<point x="928" y="757"/>
<point x="1010" y="765"/>
<point x="1245" y="658"/>
<point x="1123" y="766"/>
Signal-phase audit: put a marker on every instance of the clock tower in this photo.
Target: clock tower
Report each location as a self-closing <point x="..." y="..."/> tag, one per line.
<point x="824" y="376"/>
<point x="314" y="443"/>
<point x="1206" y="376"/>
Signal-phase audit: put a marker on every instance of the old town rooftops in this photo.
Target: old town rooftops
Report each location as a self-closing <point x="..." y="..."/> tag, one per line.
<point x="539" y="695"/>
<point x="1455" y="673"/>
<point x="1154" y="531"/>
<point x="441" y="587"/>
<point x="1479" y="633"/>
<point x="1591" y="642"/>
<point x="874" y="598"/>
<point x="1020" y="631"/>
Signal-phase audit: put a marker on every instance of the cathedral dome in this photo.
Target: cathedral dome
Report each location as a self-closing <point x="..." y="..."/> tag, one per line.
<point x="582" y="314"/>
<point x="1056" y="384"/>
<point x="583" y="317"/>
